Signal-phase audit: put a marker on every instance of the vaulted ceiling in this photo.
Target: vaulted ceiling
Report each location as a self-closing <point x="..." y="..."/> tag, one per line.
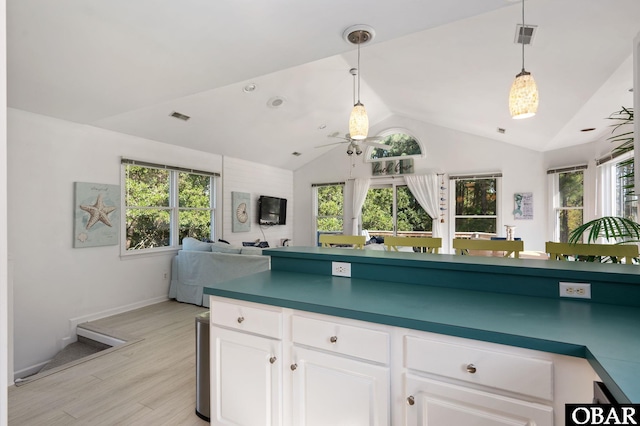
<point x="126" y="65"/>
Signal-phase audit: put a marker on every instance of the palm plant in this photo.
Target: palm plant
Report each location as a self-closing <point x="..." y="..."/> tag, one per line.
<point x="621" y="229"/>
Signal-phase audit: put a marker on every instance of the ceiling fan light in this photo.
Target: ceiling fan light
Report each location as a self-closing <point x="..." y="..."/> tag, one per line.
<point x="523" y="97"/>
<point x="358" y="122"/>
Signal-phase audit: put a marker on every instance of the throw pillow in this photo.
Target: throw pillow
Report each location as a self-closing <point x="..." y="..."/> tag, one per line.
<point x="191" y="244"/>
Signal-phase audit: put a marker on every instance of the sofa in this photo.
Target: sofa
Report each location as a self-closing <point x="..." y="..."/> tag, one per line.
<point x="200" y="264"/>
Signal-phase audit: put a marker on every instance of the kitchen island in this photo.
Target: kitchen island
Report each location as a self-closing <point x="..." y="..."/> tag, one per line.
<point x="511" y="302"/>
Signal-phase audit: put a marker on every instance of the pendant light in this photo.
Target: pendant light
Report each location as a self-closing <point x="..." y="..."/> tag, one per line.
<point x="358" y="121"/>
<point x="523" y="97"/>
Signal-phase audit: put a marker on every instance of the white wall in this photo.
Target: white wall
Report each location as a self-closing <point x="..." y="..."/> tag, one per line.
<point x="256" y="179"/>
<point x="55" y="285"/>
<point x="447" y="151"/>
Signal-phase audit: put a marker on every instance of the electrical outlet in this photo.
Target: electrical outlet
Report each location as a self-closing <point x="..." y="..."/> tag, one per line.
<point x="577" y="290"/>
<point x="341" y="269"/>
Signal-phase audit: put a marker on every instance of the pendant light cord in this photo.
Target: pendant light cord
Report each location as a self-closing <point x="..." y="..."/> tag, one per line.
<point x="359" y="42"/>
<point x="522" y="35"/>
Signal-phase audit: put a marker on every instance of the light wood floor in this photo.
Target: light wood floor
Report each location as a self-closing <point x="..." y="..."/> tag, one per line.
<point x="149" y="382"/>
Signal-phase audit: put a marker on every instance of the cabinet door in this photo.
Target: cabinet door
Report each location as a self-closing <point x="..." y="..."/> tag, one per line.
<point x="246" y="377"/>
<point x="434" y="403"/>
<point x="334" y="390"/>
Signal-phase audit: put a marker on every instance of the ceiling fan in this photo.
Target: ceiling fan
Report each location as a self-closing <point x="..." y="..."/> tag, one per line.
<point x="355" y="145"/>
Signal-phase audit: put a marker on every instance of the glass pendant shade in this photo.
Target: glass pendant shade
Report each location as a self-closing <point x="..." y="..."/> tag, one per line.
<point x="358" y="122"/>
<point x="523" y="97"/>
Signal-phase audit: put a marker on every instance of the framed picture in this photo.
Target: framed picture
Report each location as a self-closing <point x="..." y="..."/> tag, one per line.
<point x="523" y="203"/>
<point x="97" y="214"/>
<point x="240" y="212"/>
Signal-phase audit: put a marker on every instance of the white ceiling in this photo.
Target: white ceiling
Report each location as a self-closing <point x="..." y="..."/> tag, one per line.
<point x="125" y="65"/>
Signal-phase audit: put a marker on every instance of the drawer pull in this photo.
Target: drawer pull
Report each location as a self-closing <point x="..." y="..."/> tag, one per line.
<point x="333" y="339"/>
<point x="411" y="400"/>
<point x="294" y="367"/>
<point x="471" y="368"/>
<point x="240" y="319"/>
<point x="272" y="360"/>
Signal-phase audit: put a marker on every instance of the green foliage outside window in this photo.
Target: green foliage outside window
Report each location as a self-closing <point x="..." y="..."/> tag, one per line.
<point x="400" y="144"/>
<point x="330" y="207"/>
<point x="149" y="209"/>
<point x="377" y="212"/>
<point x="476" y="198"/>
<point x="571" y="189"/>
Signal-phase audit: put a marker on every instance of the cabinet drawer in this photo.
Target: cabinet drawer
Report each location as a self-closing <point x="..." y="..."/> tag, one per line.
<point x="345" y="339"/>
<point x="247" y="317"/>
<point x="513" y="373"/>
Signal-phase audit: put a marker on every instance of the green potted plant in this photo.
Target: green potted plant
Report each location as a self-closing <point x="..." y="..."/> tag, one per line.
<point x="621" y="229"/>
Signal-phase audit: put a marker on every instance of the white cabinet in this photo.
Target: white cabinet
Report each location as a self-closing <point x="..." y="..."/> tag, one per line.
<point x="437" y="403"/>
<point x="450" y="380"/>
<point x="276" y="366"/>
<point x="340" y="373"/>
<point x="246" y="365"/>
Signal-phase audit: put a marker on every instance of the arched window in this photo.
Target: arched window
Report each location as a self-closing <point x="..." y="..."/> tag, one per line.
<point x="400" y="144"/>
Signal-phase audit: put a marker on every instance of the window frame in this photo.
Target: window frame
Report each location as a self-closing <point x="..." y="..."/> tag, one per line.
<point x="554" y="193"/>
<point x="392" y="183"/>
<point x="174" y="208"/>
<point x="452" y="204"/>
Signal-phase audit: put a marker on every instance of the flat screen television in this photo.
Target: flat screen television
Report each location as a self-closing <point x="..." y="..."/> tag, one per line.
<point x="272" y="210"/>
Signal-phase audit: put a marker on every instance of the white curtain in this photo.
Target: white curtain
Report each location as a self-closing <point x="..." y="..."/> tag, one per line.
<point x="360" y="188"/>
<point x="605" y="196"/>
<point x="425" y="189"/>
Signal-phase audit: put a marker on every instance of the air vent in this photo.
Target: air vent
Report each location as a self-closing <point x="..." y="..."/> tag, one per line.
<point x="179" y="116"/>
<point x="525" y="34"/>
<point x="296" y="153"/>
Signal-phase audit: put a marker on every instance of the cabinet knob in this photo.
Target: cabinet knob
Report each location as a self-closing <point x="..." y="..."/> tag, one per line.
<point x="471" y="368"/>
<point x="294" y="367"/>
<point x="240" y="319"/>
<point x="333" y="339"/>
<point x="411" y="400"/>
<point x="273" y="359"/>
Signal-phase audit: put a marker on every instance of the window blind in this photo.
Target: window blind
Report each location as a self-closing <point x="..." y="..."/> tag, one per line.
<point x="167" y="167"/>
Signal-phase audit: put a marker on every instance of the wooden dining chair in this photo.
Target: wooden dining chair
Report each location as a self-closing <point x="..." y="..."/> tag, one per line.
<point x="464" y="246"/>
<point x="603" y="253"/>
<point x="332" y="240"/>
<point x="426" y="244"/>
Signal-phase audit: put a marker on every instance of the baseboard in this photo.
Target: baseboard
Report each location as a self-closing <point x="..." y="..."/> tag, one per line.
<point x="73" y="322"/>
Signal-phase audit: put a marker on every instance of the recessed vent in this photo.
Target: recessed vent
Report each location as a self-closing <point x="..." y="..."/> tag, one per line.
<point x="179" y="116"/>
<point x="296" y="153"/>
<point x="525" y="34"/>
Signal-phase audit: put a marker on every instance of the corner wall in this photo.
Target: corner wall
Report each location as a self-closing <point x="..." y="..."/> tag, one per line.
<point x="56" y="286"/>
<point x="256" y="179"/>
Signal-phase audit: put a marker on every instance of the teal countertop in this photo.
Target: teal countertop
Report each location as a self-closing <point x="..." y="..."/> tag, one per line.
<point x="607" y="335"/>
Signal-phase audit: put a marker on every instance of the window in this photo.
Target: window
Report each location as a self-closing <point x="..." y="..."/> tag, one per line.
<point x="391" y="209"/>
<point x="476" y="205"/>
<point x="329" y="208"/>
<point x="615" y="187"/>
<point x="400" y="145"/>
<point x="626" y="204"/>
<point x="165" y="204"/>
<point x="568" y="201"/>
